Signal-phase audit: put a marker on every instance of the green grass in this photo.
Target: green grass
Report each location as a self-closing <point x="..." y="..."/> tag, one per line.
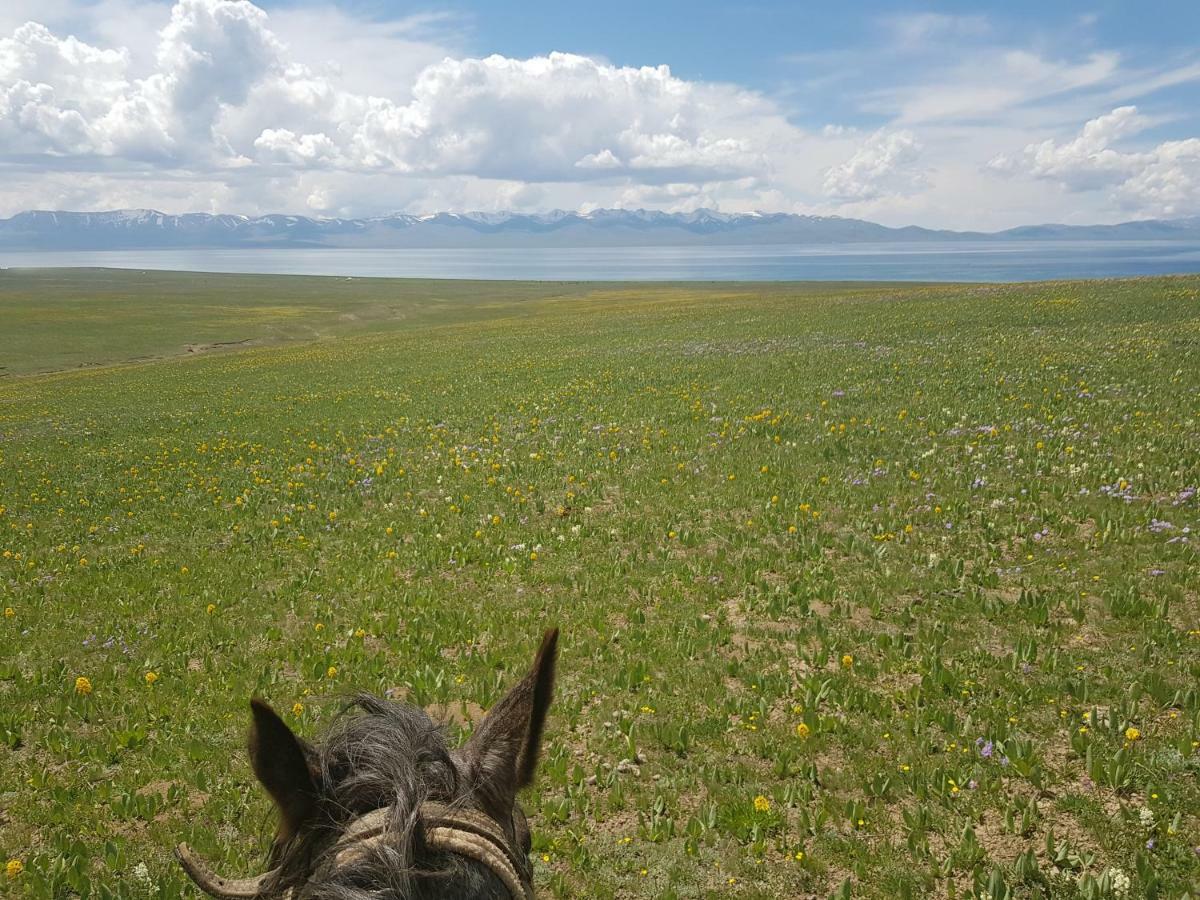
<point x="56" y="319"/>
<point x="904" y="563"/>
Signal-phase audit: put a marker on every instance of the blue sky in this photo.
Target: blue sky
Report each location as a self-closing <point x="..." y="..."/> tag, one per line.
<point x="956" y="115"/>
<point x="764" y="45"/>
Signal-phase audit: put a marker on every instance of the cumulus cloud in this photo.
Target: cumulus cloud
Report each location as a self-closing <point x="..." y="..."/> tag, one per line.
<point x="56" y="94"/>
<point x="560" y="117"/>
<point x="224" y="91"/>
<point x="1085" y="162"/>
<point x="883" y="165"/>
<point x="214" y="104"/>
<point x="1161" y="180"/>
<point x="282" y="145"/>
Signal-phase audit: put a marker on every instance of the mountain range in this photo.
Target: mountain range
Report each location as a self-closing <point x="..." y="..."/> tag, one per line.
<point x="138" y="229"/>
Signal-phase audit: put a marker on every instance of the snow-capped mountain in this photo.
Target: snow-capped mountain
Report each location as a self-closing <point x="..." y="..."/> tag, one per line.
<point x="130" y="229"/>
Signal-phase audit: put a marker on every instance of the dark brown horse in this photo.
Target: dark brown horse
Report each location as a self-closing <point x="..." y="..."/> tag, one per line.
<point x="383" y="809"/>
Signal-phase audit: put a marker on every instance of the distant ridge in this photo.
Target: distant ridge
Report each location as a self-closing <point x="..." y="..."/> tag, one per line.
<point x="140" y="229"/>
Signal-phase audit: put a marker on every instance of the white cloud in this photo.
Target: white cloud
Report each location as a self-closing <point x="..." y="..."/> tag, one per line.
<point x="917" y="30"/>
<point x="225" y="91"/>
<point x="604" y="159"/>
<point x="561" y="117"/>
<point x="989" y="84"/>
<point x="1169" y="183"/>
<point x="281" y="145"/>
<point x="1160" y="180"/>
<point x="1085" y="162"/>
<point x="203" y="104"/>
<point x="884" y="164"/>
<point x="55" y="93"/>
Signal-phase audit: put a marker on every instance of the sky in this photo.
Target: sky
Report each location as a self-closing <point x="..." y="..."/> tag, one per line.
<point x="962" y="115"/>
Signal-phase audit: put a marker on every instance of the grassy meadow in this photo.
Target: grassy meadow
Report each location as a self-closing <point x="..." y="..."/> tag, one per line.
<point x="873" y="591"/>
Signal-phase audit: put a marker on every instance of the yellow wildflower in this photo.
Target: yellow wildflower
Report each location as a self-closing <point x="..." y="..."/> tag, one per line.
<point x="1132" y="734"/>
<point x="297" y="709"/>
<point x="802" y="731"/>
<point x="761" y="804"/>
<point x="83" y="686"/>
<point x="14" y="868"/>
<point x="151" y="677"/>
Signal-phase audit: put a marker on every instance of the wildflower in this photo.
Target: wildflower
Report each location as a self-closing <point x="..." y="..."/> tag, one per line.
<point x="9" y="612"/>
<point x="320" y="626"/>
<point x="151" y="677"/>
<point x="83" y="686"/>
<point x="847" y="660"/>
<point x="14" y="868"/>
<point x="798" y="856"/>
<point x="331" y="672"/>
<point x="802" y="731"/>
<point x="211" y="608"/>
<point x="1120" y="882"/>
<point x="297" y="709"/>
<point x="761" y="804"/>
<point x="1132" y="734"/>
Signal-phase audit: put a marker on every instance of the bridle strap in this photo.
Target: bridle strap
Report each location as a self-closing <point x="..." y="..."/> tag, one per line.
<point x="476" y="836"/>
<point x="215" y="885"/>
<point x="463" y="832"/>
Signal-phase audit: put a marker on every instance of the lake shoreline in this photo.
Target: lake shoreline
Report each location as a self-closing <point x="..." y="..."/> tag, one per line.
<point x="942" y="263"/>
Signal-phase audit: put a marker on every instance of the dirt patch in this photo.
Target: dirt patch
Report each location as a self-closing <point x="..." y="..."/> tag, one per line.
<point x="218" y="345"/>
<point x="463" y="713"/>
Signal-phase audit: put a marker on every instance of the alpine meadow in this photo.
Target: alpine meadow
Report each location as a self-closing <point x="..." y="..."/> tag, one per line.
<point x="865" y="590"/>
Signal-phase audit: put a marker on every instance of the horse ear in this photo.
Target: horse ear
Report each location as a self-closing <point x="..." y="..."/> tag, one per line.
<point x="280" y="762"/>
<point x="502" y="754"/>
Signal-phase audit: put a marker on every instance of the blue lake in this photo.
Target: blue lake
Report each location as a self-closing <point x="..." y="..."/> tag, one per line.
<point x="950" y="261"/>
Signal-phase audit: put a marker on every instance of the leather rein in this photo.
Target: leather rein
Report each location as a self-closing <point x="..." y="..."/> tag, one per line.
<point x="464" y="832"/>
